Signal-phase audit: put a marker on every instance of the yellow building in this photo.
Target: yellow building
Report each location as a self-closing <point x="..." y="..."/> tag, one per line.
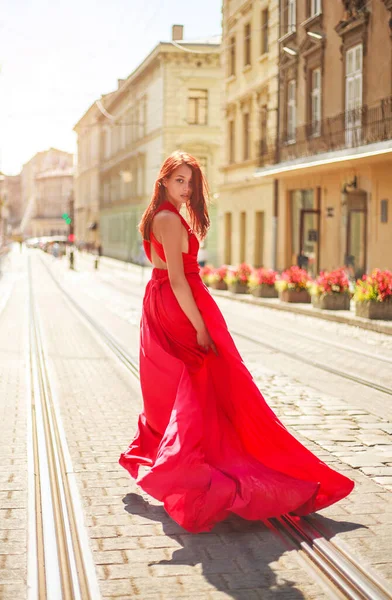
<point x="333" y="156"/>
<point x="171" y="101"/>
<point x="87" y="175"/>
<point x="250" y="72"/>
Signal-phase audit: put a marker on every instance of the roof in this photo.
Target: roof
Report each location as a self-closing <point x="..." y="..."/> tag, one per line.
<point x="210" y="44"/>
<point x="91" y="108"/>
<point x="68" y="172"/>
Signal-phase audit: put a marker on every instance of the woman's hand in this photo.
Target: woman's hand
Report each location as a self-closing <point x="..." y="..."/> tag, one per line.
<point x="205" y="341"/>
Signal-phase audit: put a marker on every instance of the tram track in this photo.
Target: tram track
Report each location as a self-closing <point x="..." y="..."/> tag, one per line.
<point x="60" y="563"/>
<point x="298" y="356"/>
<point x="331" y="563"/>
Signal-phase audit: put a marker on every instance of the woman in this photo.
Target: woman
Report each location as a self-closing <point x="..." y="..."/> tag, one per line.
<point x="212" y="444"/>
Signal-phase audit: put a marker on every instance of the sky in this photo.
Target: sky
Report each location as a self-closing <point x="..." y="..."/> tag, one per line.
<point x="57" y="58"/>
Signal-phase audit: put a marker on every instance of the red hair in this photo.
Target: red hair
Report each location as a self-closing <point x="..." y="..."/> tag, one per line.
<point x="197" y="205"/>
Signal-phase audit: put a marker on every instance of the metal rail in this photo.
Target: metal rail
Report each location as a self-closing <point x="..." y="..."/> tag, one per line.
<point x="351" y="579"/>
<point x="314" y="363"/>
<point x="59" y="564"/>
<point x="338" y="570"/>
<point x="308" y="336"/>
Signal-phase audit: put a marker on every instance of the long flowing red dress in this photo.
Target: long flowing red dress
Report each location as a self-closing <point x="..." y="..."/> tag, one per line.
<point x="212" y="444"/>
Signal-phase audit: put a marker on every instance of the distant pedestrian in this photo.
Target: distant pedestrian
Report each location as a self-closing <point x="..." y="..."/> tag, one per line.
<point x="56" y="249"/>
<point x="202" y="256"/>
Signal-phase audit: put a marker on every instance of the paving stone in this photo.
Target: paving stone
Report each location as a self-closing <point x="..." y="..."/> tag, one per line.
<point x="228" y="563"/>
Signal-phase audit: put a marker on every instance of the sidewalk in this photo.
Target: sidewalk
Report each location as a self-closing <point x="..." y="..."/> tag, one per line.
<point x="344" y="316"/>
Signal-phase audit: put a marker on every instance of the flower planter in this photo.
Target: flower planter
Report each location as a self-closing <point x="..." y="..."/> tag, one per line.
<point x="297" y="296"/>
<point x="371" y="309"/>
<point x="218" y="285"/>
<point x="238" y="288"/>
<point x="331" y="301"/>
<point x="265" y="291"/>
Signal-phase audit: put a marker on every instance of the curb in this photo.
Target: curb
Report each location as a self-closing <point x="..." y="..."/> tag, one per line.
<point x="317" y="313"/>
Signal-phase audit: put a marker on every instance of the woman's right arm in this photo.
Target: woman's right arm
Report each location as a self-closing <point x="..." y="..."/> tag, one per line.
<point x="170" y="229"/>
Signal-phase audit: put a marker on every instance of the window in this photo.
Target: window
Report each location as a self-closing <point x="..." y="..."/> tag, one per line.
<point x="242" y="236"/>
<point x="231" y="142"/>
<point x="202" y="160"/>
<point x="264" y="31"/>
<point x="263" y="129"/>
<point x="353" y="95"/>
<point x="315" y="7"/>
<point x="259" y="239"/>
<point x="232" y="56"/>
<point x="228" y="234"/>
<point x="291" y="111"/>
<point x="316" y="101"/>
<point x="246" y="136"/>
<point x="384" y="211"/>
<point x="197" y="107"/>
<point x="247" y="41"/>
<point x="291" y="16"/>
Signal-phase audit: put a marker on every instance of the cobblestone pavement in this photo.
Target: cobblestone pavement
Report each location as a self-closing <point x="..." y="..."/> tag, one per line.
<point x="329" y="425"/>
<point x="138" y="550"/>
<point x="351" y="422"/>
<point x="13" y="414"/>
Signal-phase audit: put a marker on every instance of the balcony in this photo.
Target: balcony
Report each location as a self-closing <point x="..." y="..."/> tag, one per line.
<point x="350" y="129"/>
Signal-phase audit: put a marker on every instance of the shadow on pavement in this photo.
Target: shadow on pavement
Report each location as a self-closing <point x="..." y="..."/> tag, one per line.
<point x="238" y="557"/>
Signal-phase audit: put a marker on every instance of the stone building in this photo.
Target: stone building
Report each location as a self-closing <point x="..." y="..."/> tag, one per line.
<point x="87" y="175"/>
<point x="250" y="82"/>
<point x="171" y="101"/>
<point x="10" y="205"/>
<point x="332" y="157"/>
<point x="47" y="184"/>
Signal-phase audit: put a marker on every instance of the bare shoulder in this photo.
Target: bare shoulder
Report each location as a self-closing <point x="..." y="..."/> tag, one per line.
<point x="166" y="219"/>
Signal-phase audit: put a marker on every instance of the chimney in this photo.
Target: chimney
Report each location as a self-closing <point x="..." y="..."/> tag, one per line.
<point x="120" y="82"/>
<point x="177" y="33"/>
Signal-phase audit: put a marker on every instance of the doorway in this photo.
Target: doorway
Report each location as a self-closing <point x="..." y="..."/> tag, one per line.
<point x="309" y="240"/>
<point x="305" y="229"/>
<point x="356" y="233"/>
<point x="356" y="241"/>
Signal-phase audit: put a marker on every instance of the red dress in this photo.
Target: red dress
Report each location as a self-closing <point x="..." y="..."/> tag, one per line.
<point x="212" y="444"/>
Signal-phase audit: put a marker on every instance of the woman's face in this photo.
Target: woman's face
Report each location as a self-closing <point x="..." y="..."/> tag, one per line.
<point x="179" y="185"/>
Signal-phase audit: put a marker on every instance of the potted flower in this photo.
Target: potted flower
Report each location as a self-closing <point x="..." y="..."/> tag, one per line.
<point x="292" y="285"/>
<point x="262" y="283"/>
<point x="237" y="279"/>
<point x="216" y="278"/>
<point x="331" y="290"/>
<point x="205" y="273"/>
<point x="373" y="295"/>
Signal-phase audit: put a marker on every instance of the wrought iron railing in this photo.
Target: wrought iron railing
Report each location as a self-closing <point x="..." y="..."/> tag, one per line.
<point x="350" y="129"/>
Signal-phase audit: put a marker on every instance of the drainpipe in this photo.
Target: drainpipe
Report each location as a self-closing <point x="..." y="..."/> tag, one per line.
<point x="277" y="159"/>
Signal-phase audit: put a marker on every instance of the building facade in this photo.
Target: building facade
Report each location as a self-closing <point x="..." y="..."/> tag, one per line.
<point x="87" y="175"/>
<point x="47" y="184"/>
<point x="10" y="204"/>
<point x="171" y="101"/>
<point x="249" y="62"/>
<point x="332" y="156"/>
